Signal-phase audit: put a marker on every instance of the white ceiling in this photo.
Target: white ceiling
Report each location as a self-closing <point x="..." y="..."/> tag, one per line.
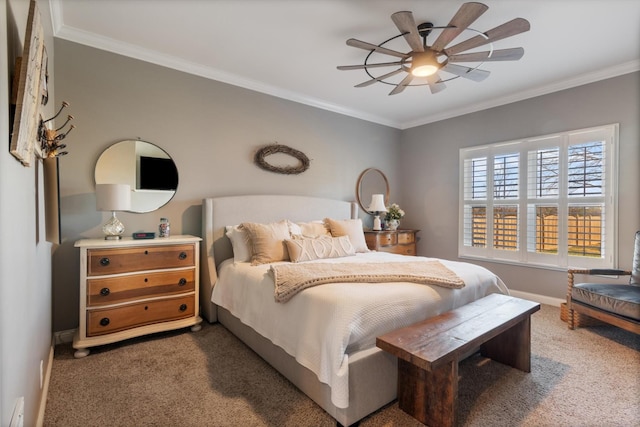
<point x="290" y="49"/>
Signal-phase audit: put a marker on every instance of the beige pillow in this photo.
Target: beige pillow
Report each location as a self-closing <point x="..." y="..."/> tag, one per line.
<point x="267" y="241"/>
<point x="309" y="229"/>
<point x="308" y="249"/>
<point x="348" y="227"/>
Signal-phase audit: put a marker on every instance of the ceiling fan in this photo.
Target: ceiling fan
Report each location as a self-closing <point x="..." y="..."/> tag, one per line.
<point x="425" y="63"/>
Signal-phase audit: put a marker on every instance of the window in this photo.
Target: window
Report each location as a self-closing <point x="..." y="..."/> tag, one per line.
<point x="547" y="201"/>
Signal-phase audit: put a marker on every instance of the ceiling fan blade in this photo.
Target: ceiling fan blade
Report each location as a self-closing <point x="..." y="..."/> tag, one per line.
<point x="364" y="66"/>
<point x="465" y="16"/>
<point x="468" y="73"/>
<point x="377" y="79"/>
<point x="369" y="46"/>
<point x="400" y="86"/>
<point x="508" y="29"/>
<point x="435" y="83"/>
<point x="512" y="54"/>
<point x="407" y="26"/>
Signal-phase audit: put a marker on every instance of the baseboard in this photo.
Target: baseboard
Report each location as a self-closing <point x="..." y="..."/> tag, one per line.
<point x="542" y="299"/>
<point x="62" y="337"/>
<point x="45" y="387"/>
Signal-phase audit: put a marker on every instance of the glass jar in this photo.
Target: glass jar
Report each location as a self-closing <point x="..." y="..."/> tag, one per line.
<point x="164" y="228"/>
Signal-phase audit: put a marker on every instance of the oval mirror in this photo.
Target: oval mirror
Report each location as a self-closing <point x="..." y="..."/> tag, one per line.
<point x="371" y="181"/>
<point x="148" y="169"/>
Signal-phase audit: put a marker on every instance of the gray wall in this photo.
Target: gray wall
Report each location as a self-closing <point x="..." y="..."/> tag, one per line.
<point x="211" y="130"/>
<point x="25" y="256"/>
<point x="429" y="173"/>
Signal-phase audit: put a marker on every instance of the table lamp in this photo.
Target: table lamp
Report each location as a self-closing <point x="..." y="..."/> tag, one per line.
<point x="377" y="206"/>
<point x="113" y="197"/>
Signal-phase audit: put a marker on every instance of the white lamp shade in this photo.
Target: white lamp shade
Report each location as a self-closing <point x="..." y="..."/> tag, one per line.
<point x="377" y="203"/>
<point x="113" y="197"/>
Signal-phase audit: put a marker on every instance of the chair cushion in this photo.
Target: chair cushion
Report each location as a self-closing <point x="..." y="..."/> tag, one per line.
<point x="635" y="268"/>
<point x="623" y="300"/>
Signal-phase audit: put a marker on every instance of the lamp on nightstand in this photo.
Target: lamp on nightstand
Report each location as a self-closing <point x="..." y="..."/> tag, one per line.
<point x="377" y="206"/>
<point x="113" y="197"/>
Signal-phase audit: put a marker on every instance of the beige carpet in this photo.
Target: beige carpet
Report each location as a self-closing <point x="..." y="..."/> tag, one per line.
<point x="585" y="377"/>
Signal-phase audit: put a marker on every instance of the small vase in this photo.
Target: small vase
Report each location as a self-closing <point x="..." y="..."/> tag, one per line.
<point x="393" y="224"/>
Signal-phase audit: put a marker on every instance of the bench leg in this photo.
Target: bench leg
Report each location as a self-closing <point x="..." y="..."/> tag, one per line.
<point x="429" y="397"/>
<point x="512" y="347"/>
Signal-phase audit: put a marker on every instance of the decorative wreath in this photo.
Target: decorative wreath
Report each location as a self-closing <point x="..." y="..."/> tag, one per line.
<point x="268" y="150"/>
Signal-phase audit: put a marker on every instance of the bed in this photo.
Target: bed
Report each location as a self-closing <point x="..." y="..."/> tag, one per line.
<point x="343" y="373"/>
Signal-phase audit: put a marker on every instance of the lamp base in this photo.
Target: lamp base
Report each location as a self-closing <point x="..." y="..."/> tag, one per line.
<point x="377" y="224"/>
<point x="113" y="228"/>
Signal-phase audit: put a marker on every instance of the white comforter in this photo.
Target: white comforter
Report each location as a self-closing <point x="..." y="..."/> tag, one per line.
<point x="322" y="325"/>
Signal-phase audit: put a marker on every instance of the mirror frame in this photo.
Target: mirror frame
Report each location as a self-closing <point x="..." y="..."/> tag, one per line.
<point x="145" y="201"/>
<point x="359" y="188"/>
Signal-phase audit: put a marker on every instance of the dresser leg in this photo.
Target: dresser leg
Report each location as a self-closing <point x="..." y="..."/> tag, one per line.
<point x="196" y="328"/>
<point x="81" y="352"/>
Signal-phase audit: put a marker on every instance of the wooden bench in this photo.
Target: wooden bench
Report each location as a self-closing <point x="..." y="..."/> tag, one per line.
<point x="428" y="352"/>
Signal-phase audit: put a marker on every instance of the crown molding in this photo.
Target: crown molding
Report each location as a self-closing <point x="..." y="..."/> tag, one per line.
<point x="126" y="49"/>
<point x="607" y="73"/>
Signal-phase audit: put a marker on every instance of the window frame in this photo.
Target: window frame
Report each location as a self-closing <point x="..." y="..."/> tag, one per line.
<point x="527" y="200"/>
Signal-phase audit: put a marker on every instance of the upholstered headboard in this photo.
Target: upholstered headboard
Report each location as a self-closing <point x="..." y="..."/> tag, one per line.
<point x="218" y="212"/>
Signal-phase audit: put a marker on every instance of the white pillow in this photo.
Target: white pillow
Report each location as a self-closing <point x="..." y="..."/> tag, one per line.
<point x="349" y="227"/>
<point x="309" y="249"/>
<point x="240" y="243"/>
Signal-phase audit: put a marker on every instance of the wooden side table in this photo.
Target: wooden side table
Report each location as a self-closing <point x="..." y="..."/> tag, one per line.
<point x="401" y="242"/>
<point x="132" y="287"/>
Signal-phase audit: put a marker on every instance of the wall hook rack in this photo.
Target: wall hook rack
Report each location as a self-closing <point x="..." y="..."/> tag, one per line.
<point x="50" y="139"/>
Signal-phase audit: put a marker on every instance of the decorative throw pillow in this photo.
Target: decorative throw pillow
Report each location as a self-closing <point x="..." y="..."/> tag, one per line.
<point x="267" y="241"/>
<point x="240" y="243"/>
<point x="309" y="229"/>
<point x="349" y="227"/>
<point x="308" y="249"/>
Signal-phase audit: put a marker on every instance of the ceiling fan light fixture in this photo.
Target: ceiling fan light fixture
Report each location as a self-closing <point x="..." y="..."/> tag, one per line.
<point x="424" y="64"/>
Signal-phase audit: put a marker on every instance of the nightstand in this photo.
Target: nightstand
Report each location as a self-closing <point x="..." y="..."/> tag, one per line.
<point x="130" y="288"/>
<point x="401" y="242"/>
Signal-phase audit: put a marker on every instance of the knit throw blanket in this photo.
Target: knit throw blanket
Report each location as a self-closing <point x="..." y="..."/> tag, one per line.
<point x="292" y="278"/>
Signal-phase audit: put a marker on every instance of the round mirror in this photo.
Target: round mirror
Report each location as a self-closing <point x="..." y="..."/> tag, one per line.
<point x="371" y="181"/>
<point x="148" y="169"/>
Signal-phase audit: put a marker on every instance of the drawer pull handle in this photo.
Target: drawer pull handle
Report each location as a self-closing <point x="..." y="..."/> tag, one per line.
<point x="183" y="307"/>
<point x="104" y="321"/>
<point x="104" y="292"/>
<point x="104" y="261"/>
<point x="183" y="255"/>
<point x="182" y="281"/>
<point x="146" y="252"/>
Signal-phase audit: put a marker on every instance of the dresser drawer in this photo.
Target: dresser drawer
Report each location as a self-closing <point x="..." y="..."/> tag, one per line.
<point x="126" y="288"/>
<point x="400" y="249"/>
<point x="404" y="237"/>
<point x="104" y="321"/>
<point x="381" y="239"/>
<point x="124" y="260"/>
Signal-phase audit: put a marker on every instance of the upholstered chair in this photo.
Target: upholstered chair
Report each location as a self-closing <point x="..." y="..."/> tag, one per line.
<point x="616" y="304"/>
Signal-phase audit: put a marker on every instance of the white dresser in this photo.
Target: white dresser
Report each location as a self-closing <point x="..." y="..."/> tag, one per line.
<point x="130" y="288"/>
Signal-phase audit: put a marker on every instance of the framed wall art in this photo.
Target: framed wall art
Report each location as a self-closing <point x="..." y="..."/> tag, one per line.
<point x="29" y="94"/>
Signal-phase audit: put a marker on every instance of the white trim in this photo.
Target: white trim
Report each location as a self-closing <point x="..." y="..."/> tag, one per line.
<point x="542" y="299"/>
<point x="606" y="73"/>
<point x="60" y="30"/>
<point x="45" y="388"/>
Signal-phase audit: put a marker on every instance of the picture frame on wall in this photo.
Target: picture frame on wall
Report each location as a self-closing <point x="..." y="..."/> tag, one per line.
<point x="29" y="94"/>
